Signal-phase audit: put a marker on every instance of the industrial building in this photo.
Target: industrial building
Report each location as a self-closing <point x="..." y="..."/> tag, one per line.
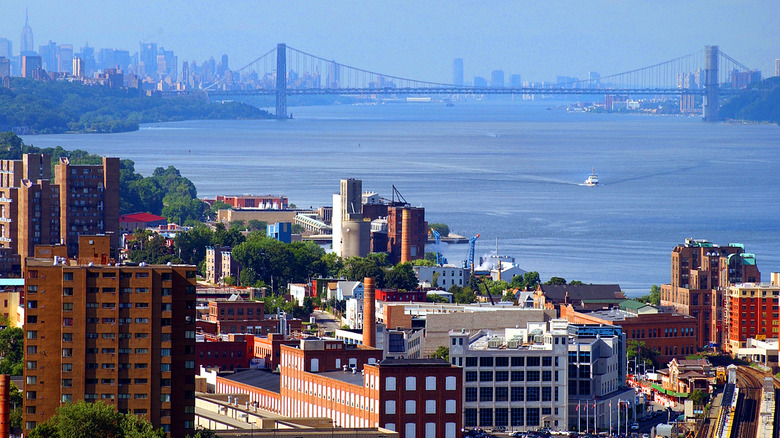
<point x="121" y="334"/>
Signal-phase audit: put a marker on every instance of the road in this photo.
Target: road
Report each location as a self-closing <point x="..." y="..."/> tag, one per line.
<point x="326" y="321"/>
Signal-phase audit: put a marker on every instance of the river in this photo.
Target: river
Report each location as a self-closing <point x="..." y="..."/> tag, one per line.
<point x="510" y="171"/>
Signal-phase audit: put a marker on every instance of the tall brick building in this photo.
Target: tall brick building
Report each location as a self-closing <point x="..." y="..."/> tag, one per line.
<point x="89" y="201"/>
<point x="751" y="312"/>
<point x="701" y="273"/>
<point x="121" y="334"/>
<point x="34" y="210"/>
<point x="417" y="232"/>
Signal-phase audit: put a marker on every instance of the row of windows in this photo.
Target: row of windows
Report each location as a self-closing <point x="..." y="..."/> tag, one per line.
<point x="668" y="332"/>
<point x="517" y="361"/>
<point x="529" y="417"/>
<point x="517" y="376"/>
<point x="515" y="394"/>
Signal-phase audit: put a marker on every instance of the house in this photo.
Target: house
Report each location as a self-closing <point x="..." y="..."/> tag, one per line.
<point x="580" y="296"/>
<point x="134" y="221"/>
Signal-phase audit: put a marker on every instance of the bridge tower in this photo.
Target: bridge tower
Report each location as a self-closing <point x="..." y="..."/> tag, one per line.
<point x="711" y="103"/>
<point x="281" y="81"/>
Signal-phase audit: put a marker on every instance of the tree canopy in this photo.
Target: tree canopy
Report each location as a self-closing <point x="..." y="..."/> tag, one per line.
<point x="96" y="420"/>
<point x="12" y="351"/>
<point x="654" y="297"/>
<point x="48" y="107"/>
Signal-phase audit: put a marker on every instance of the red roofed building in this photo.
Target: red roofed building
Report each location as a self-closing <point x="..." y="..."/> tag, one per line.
<point x="134" y="221"/>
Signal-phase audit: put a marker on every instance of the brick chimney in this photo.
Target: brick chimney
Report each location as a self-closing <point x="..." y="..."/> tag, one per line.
<point x="369" y="313"/>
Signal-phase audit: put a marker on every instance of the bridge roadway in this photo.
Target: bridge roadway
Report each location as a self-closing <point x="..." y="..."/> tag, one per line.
<point x="461" y="91"/>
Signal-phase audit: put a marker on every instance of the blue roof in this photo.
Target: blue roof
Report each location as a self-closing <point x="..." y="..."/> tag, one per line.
<point x="11" y="282"/>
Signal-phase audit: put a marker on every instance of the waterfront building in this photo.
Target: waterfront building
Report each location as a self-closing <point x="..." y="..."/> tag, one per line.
<point x="701" y="272"/>
<point x="110" y="332"/>
<point x="580" y="296"/>
<point x="751" y="311"/>
<point x="407" y="232"/>
<point x="446" y="276"/>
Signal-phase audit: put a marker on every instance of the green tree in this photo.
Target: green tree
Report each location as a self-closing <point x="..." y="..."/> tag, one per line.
<point x="698" y="397"/>
<point x="639" y="352"/>
<point x="443" y="229"/>
<point x="216" y="207"/>
<point x="204" y="433"/>
<point x="654" y="297"/>
<point x="12" y="351"/>
<point x="17" y="404"/>
<point x="527" y="281"/>
<point x="229" y="280"/>
<point x="556" y="281"/>
<point x="463" y="295"/>
<point x="308" y="305"/>
<point x="442" y="352"/>
<point x="257" y="225"/>
<point x="95" y="420"/>
<point x="401" y="277"/>
<point x="237" y="225"/>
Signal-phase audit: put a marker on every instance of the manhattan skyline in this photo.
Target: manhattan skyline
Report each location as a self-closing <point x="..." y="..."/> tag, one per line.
<point x="536" y="40"/>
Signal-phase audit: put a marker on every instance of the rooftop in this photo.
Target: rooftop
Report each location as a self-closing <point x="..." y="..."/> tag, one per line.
<point x="344" y="376"/>
<point x="258" y="378"/>
<point x="141" y="217"/>
<point x="414" y="363"/>
<point x="559" y="292"/>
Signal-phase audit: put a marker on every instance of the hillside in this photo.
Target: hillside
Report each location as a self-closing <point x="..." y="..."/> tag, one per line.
<point x="47" y="107"/>
<point x="760" y="104"/>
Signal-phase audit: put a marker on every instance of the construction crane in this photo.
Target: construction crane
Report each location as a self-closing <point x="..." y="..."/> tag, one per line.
<point x="472" y="247"/>
<point x="487" y="290"/>
<point x="440" y="260"/>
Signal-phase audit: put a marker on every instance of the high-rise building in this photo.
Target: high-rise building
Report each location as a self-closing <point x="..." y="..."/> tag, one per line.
<point x="31" y="66"/>
<point x="65" y="58"/>
<point x="516" y="81"/>
<point x="48" y="54"/>
<point x="88" y="55"/>
<point x="6" y="48"/>
<point x="89" y="201"/>
<point x="594" y="79"/>
<point x="124" y="335"/>
<point x="777" y="67"/>
<point x="27" y="45"/>
<point x="185" y="72"/>
<point x="5" y="67"/>
<point x="701" y="273"/>
<point x="78" y="67"/>
<point x="457" y="71"/>
<point x="147" y="57"/>
<point x="497" y="79"/>
<point x="479" y="81"/>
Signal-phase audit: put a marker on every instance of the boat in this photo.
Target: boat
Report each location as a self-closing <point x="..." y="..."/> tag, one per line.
<point x="592" y="180"/>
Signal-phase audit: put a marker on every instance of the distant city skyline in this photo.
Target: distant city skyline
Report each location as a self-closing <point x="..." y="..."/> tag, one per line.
<point x="420" y="40"/>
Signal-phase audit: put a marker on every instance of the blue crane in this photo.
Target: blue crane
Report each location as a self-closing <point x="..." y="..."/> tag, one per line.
<point x="472" y="247"/>
<point x="440" y="260"/>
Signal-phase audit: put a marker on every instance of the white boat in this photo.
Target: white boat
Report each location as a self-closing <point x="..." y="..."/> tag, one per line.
<point x="593" y="179"/>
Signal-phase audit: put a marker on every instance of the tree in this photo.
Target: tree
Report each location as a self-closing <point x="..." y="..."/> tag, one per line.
<point x="261" y="226"/>
<point x="527" y="281"/>
<point x="308" y="305"/>
<point x="216" y="207"/>
<point x="639" y="352"/>
<point x="698" y="397"/>
<point x="96" y="420"/>
<point x="443" y="229"/>
<point x="16" y="403"/>
<point x="463" y="295"/>
<point x="229" y="280"/>
<point x="443" y="352"/>
<point x="556" y="281"/>
<point x="654" y="297"/>
<point x="204" y="433"/>
<point x="401" y="277"/>
<point x="12" y="351"/>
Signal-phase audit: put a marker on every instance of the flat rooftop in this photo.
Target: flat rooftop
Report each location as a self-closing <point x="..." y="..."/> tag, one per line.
<point x="344" y="376"/>
<point x="261" y="379"/>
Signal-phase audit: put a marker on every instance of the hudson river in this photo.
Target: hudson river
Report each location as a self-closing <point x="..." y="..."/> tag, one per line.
<point x="505" y="170"/>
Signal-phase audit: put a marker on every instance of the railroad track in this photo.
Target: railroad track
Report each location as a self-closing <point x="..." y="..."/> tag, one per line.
<point x="750" y="384"/>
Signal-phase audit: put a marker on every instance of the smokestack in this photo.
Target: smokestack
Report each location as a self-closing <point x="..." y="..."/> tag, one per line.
<point x="369" y="313"/>
<point x="5" y="405"/>
<point x="406" y="247"/>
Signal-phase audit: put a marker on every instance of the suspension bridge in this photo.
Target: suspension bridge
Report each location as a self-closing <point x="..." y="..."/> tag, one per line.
<point x="285" y="71"/>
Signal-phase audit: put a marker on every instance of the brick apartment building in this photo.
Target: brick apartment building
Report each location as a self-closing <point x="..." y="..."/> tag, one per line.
<point x="267" y="202"/>
<point x="701" y="273"/>
<point x="89" y="201"/>
<point x="226" y="316"/>
<point x="228" y="352"/>
<point x="220" y="264"/>
<point x="121" y="334"/>
<point x="672" y="335"/>
<point x="34" y="210"/>
<point x="751" y="312"/>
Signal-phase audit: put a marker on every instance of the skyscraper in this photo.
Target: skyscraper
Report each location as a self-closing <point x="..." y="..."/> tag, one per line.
<point x="65" y="58"/>
<point x="457" y="71"/>
<point x="27" y="45"/>
<point x="48" y="54"/>
<point x="6" y="48"/>
<point x="147" y="56"/>
<point x="497" y="79"/>
<point x="777" y="67"/>
<point x="516" y="81"/>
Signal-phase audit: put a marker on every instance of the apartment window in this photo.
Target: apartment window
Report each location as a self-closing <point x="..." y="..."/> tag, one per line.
<point x="502" y="376"/>
<point x="390" y="384"/>
<point x="145" y="396"/>
<point x="143" y="366"/>
<point x="163" y="382"/>
<point x="411" y="383"/>
<point x="189" y="364"/>
<point x="486" y="361"/>
<point x="108" y="335"/>
<point x="502" y="394"/>
<point x="165" y="352"/>
<point x="533" y="361"/>
<point x="141" y="290"/>
<point x="518" y="394"/>
<point x="486" y="393"/>
<point x="471" y="394"/>
<point x="141" y="275"/>
<point x="67" y="383"/>
<point x="32" y="319"/>
<point x="32" y="365"/>
<point x="486" y="417"/>
<point x="67" y="307"/>
<point x="67" y="352"/>
<point x="411" y="407"/>
<point x="67" y="291"/>
<point x="141" y="381"/>
<point x="470" y="417"/>
<point x="532" y="393"/>
<point x="546" y="376"/>
<point x="141" y="351"/>
<point x="32" y="380"/>
<point x="546" y="394"/>
<point x="502" y="361"/>
<point x="471" y="361"/>
<point x="32" y="334"/>
<point x="486" y="376"/>
<point x="125" y="351"/>
<point x="32" y="304"/>
<point x="166" y="291"/>
<point x="142" y="320"/>
<point x="390" y="407"/>
<point x="142" y="335"/>
<point x="518" y="417"/>
<point x="141" y="305"/>
<point x="67" y="276"/>
<point x="67" y="367"/>
<point x="108" y="351"/>
<point x="430" y="383"/>
<point x="533" y="376"/>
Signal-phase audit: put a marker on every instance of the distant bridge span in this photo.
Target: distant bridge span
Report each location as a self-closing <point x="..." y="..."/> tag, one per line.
<point x="696" y="74"/>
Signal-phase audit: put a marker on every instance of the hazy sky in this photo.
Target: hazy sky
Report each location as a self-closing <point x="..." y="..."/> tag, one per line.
<point x="419" y="39"/>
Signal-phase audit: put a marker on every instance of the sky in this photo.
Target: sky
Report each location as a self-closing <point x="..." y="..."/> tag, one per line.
<point x="419" y="39"/>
